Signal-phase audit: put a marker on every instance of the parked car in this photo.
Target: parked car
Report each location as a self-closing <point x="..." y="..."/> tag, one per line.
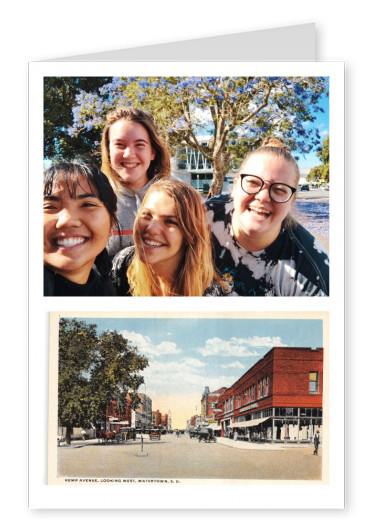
<point x="304" y="187"/>
<point x="206" y="434"/>
<point x="325" y="187"/>
<point x="127" y="434"/>
<point x="155" y="434"/>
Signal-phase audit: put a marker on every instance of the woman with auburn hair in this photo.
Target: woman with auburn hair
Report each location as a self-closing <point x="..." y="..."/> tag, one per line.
<point x="172" y="255"/>
<point x="259" y="248"/>
<point x="134" y="157"/>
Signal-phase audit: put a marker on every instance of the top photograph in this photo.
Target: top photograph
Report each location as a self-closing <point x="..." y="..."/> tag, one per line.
<point x="186" y="186"/>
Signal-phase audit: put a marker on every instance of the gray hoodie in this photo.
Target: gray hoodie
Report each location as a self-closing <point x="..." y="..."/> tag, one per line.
<point x="128" y="204"/>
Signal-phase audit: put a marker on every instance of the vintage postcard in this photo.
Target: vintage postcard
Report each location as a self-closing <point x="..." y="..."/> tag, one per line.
<point x="189" y="398"/>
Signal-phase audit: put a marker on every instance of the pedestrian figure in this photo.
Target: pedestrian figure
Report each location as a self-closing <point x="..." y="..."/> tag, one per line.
<point x="316" y="442"/>
<point x="83" y="435"/>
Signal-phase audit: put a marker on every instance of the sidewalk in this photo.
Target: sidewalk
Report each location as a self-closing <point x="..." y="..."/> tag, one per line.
<point x="244" y="445"/>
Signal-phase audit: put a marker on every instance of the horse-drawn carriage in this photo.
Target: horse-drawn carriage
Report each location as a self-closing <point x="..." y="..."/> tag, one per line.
<point x="109" y="436"/>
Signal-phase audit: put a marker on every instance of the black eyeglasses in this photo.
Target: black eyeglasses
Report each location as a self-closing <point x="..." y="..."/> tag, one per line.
<point x="279" y="192"/>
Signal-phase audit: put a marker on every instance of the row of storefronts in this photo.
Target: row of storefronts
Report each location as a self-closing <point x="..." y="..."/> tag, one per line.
<point x="279" y="399"/>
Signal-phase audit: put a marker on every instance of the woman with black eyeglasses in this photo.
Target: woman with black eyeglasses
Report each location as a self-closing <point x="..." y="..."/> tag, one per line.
<point x="259" y="248"/>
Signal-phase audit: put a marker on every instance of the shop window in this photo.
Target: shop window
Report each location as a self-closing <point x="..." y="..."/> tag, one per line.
<point x="313" y="382"/>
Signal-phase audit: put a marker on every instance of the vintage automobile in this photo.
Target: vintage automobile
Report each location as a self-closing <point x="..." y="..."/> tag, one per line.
<point x="155" y="434"/>
<point x="193" y="434"/>
<point x="206" y="435"/>
<point x="126" y="434"/>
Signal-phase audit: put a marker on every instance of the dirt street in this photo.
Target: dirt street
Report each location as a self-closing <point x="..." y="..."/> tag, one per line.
<point x="173" y="457"/>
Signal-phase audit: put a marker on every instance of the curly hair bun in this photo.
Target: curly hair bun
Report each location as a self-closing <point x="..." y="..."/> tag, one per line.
<point x="273" y="141"/>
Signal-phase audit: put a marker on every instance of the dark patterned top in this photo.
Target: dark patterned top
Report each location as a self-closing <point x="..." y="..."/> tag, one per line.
<point x="122" y="261"/>
<point x="295" y="264"/>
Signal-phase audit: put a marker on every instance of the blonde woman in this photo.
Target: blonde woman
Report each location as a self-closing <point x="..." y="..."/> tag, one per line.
<point x="172" y="255"/>
<point x="134" y="156"/>
<point x="259" y="248"/>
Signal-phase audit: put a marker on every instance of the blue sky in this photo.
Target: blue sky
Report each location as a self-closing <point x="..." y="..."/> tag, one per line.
<point x="310" y="160"/>
<point x="186" y="355"/>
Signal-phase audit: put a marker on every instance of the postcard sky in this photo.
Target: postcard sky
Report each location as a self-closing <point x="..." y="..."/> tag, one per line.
<point x="188" y="354"/>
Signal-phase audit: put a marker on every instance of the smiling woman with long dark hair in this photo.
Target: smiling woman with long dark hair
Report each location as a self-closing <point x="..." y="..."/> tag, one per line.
<point x="79" y="212"/>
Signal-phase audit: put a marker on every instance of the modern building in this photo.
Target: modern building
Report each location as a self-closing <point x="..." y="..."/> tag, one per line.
<point x="278" y="399"/>
<point x="191" y="166"/>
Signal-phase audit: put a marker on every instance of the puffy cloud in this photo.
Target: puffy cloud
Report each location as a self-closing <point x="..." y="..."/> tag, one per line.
<point x="149" y="349"/>
<point x="234" y="365"/>
<point x="183" y="376"/>
<point x="239" y="347"/>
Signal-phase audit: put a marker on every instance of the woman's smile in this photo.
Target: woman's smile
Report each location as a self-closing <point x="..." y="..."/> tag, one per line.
<point x="258" y="211"/>
<point x="69" y="242"/>
<point x="152" y="243"/>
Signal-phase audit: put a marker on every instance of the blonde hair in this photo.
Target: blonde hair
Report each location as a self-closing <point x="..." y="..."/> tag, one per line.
<point x="160" y="167"/>
<point x="196" y="272"/>
<point x="275" y="147"/>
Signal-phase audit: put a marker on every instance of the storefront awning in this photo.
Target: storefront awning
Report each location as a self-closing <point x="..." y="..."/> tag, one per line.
<point x="248" y="423"/>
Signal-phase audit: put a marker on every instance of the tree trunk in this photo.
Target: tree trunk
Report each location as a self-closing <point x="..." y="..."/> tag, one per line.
<point x="68" y="435"/>
<point x="220" y="168"/>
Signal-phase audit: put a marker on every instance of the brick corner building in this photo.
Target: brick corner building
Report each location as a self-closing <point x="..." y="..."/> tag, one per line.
<point x="278" y="399"/>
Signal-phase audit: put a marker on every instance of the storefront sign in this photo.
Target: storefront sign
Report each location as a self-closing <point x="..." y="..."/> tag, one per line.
<point x="247" y="408"/>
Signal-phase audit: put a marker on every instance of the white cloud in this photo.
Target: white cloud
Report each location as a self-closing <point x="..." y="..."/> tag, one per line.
<point x="194" y="362"/>
<point x="185" y="375"/>
<point x="239" y="347"/>
<point x="233" y="365"/>
<point x="149" y="349"/>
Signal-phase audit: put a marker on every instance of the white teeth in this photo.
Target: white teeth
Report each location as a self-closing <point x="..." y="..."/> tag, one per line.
<point x="69" y="242"/>
<point x="153" y="244"/>
<point x="260" y="211"/>
<point x="129" y="165"/>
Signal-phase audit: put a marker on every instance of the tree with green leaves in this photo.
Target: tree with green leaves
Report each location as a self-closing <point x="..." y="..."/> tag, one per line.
<point x="321" y="173"/>
<point x="59" y="98"/>
<point x="93" y="370"/>
<point x="236" y="112"/>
